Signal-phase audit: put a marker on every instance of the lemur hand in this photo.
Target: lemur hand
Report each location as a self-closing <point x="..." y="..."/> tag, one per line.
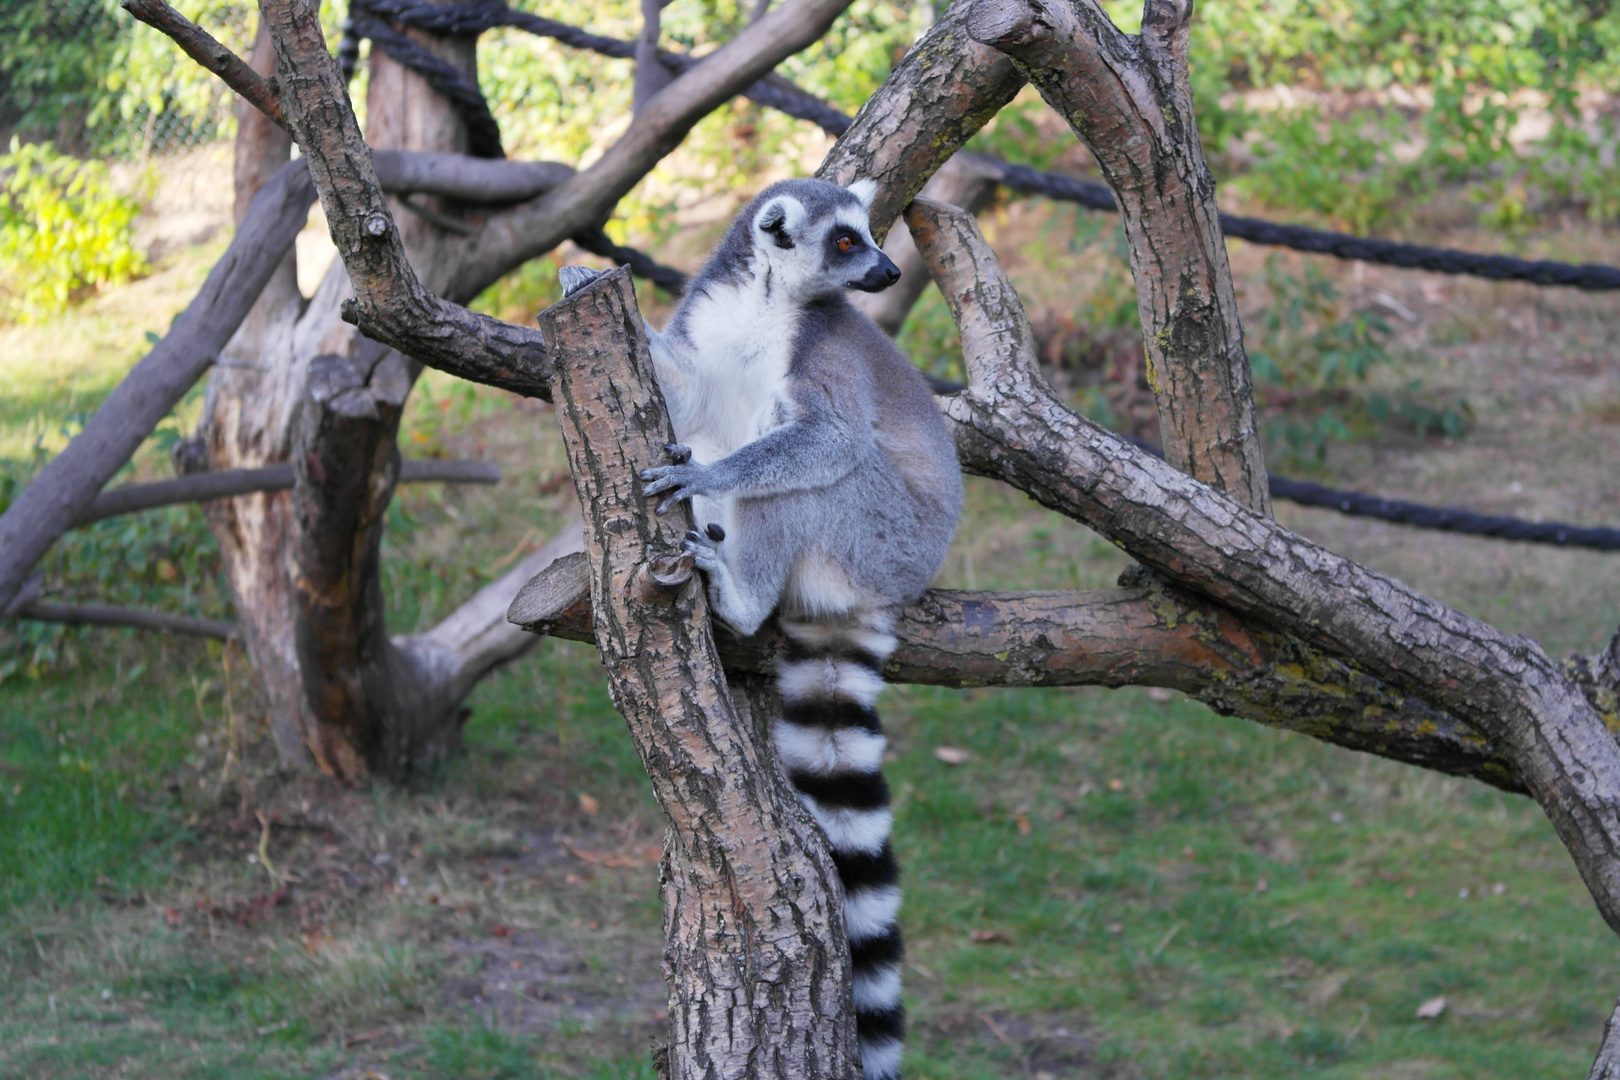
<point x="685" y="478"/>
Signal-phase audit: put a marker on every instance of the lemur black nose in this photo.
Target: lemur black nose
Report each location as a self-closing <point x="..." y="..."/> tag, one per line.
<point x="892" y="273"/>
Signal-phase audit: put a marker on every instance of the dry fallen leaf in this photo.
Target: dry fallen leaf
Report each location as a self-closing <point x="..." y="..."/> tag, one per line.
<point x="950" y="755"/>
<point x="1431" y="1008"/>
<point x="987" y="937"/>
<point x="1023" y="824"/>
<point x="645" y="855"/>
<point x="1116" y="785"/>
<point x="1159" y="693"/>
<point x="588" y="803"/>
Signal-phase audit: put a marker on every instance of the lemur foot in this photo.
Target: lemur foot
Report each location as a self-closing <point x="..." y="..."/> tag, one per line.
<point x="702" y="552"/>
<point x="685" y="478"/>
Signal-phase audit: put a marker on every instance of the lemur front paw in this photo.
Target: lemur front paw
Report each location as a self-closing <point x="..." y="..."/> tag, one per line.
<point x="684" y="478"/>
<point x="702" y="549"/>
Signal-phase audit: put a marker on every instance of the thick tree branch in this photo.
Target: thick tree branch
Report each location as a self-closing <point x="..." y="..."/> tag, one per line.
<point x="464" y="177"/>
<point x="1130" y="100"/>
<point x="937" y="98"/>
<point x="203" y="48"/>
<point x="70" y="482"/>
<point x="756" y="957"/>
<point x="1011" y="426"/>
<point x="390" y="304"/>
<point x="533" y="229"/>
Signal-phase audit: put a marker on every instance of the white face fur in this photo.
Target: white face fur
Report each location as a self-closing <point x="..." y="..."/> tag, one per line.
<point x="813" y="251"/>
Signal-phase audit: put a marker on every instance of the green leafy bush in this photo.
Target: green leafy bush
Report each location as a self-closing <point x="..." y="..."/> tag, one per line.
<point x="63" y="232"/>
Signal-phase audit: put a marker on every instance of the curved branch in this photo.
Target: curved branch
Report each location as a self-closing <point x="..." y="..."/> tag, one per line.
<point x="1129" y="100"/>
<point x="390" y="303"/>
<point x="937" y="98"/>
<point x="1012" y="426"/>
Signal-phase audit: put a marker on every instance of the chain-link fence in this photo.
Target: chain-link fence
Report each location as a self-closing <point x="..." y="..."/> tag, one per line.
<point x="87" y="77"/>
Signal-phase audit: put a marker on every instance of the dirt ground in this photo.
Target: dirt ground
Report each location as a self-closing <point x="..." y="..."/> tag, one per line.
<point x="532" y="886"/>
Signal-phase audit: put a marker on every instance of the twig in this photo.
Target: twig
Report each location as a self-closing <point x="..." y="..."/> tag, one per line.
<point x="203" y="48"/>
<point x="264" y="848"/>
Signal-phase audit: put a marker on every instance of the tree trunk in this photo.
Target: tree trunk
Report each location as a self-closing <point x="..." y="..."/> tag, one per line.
<point x="304" y="566"/>
<point x="246" y="421"/>
<point x="756" y="960"/>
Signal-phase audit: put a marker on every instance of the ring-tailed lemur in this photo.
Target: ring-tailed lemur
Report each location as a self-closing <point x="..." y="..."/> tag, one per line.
<point x="813" y="452"/>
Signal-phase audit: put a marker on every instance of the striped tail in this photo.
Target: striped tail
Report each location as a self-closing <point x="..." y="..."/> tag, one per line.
<point x="831" y="745"/>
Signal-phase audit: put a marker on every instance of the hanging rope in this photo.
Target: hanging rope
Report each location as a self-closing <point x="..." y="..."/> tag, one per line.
<point x="1445" y="519"/>
<point x="783" y="96"/>
<point x="480" y="15"/>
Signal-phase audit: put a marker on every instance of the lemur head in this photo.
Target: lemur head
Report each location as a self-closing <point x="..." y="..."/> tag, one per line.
<point x="813" y="238"/>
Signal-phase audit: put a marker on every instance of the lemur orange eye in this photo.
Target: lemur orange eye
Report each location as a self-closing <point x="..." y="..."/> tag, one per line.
<point x="845" y="243"/>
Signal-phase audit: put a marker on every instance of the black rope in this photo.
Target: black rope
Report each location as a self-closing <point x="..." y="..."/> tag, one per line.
<point x="1445" y="519"/>
<point x="642" y="265"/>
<point x="1095" y="196"/>
<point x="483" y="133"/>
<point x="370" y="19"/>
<point x="783" y="96"/>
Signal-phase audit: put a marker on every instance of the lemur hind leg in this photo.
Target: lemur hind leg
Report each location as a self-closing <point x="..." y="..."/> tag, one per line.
<point x="742" y="592"/>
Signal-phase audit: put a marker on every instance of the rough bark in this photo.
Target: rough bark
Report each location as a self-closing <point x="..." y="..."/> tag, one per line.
<point x="937" y="98"/>
<point x="1146" y="634"/>
<point x="73" y="478"/>
<point x="1130" y="100"/>
<point x="245" y="413"/>
<point x="1012" y="426"/>
<point x="1607" y="1065"/>
<point x="390" y="303"/>
<point x="755" y="956"/>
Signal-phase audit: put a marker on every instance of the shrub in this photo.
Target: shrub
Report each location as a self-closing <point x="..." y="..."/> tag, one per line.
<point x="63" y="232"/>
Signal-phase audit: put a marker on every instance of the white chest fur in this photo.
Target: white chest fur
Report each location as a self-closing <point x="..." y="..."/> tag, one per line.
<point x="734" y="370"/>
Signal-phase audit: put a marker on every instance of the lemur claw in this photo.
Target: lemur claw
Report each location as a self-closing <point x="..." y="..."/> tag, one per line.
<point x="679" y="454"/>
<point x="703" y="556"/>
<point x="716" y="533"/>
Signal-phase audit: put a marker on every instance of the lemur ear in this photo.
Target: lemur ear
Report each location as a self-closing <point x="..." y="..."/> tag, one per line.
<point x="864" y="190"/>
<point x="774" y="220"/>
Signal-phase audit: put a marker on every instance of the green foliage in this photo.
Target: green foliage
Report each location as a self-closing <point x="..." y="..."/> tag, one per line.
<point x="63" y="231"/>
<point x="1312" y="370"/>
<point x="1426" y="94"/>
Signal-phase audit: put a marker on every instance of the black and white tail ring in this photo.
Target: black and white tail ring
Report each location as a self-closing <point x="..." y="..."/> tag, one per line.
<point x="831" y="745"/>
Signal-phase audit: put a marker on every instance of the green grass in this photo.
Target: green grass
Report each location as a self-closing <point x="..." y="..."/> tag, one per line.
<point x="1111" y="885"/>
